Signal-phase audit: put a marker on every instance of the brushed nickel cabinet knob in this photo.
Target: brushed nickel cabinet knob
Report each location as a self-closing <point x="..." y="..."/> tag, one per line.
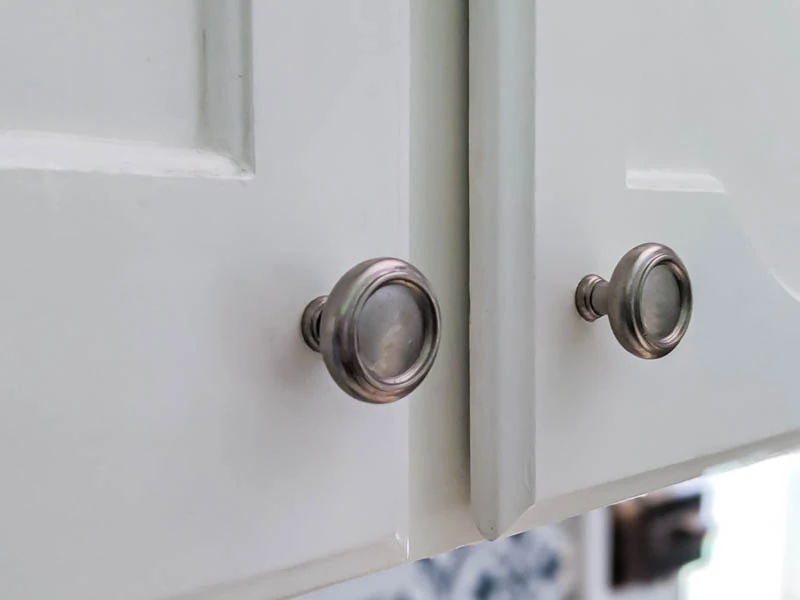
<point x="648" y="300"/>
<point x="378" y="330"/>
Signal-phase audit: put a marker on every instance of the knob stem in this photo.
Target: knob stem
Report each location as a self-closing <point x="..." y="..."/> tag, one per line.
<point x="599" y="298"/>
<point x="310" y="322"/>
<point x="591" y="297"/>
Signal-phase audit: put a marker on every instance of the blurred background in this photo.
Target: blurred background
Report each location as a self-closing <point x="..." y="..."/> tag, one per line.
<point x="734" y="534"/>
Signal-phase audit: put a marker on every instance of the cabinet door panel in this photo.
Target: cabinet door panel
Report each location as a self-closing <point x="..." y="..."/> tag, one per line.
<point x="177" y="182"/>
<point x="633" y="123"/>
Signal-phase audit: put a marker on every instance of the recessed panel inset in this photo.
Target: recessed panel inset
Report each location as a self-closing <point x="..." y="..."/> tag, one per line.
<point x="104" y="69"/>
<point x="171" y="74"/>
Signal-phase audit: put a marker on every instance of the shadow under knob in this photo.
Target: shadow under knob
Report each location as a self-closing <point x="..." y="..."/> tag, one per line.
<point x="648" y="300"/>
<point x="378" y="330"/>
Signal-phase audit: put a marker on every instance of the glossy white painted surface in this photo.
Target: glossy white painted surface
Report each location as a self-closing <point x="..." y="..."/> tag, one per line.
<point x="165" y="431"/>
<point x="589" y="135"/>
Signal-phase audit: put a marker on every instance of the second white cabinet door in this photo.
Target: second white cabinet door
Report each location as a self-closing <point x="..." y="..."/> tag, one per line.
<point x="596" y="127"/>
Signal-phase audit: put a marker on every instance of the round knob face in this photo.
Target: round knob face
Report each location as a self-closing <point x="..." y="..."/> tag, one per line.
<point x="390" y="331"/>
<point x="648" y="300"/>
<point x="660" y="302"/>
<point x="378" y="330"/>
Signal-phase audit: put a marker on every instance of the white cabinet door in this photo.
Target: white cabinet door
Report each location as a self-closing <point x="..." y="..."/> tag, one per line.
<point x="596" y="127"/>
<point x="177" y="180"/>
